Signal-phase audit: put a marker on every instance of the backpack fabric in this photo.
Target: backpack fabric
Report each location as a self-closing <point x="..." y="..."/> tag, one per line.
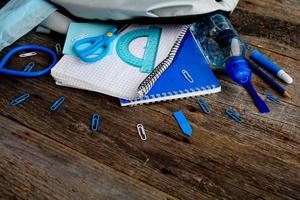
<point x="131" y="9"/>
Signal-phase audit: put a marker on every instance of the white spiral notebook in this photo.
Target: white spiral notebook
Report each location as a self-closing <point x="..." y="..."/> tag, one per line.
<point x="111" y="75"/>
<point x="189" y="75"/>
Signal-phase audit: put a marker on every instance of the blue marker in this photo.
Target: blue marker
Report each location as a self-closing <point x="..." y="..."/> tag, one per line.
<point x="262" y="60"/>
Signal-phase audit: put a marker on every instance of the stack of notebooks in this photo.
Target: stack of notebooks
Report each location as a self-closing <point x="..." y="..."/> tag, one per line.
<point x="188" y="74"/>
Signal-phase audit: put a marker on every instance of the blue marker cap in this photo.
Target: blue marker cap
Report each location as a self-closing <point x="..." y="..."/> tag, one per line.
<point x="238" y="70"/>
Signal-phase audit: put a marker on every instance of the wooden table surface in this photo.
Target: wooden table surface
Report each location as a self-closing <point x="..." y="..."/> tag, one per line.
<point x="47" y="155"/>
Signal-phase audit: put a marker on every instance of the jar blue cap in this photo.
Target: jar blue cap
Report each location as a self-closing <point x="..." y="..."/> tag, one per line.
<point x="238" y="70"/>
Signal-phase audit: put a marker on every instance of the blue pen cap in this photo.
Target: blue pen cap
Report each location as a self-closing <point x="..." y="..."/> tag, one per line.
<point x="238" y="70"/>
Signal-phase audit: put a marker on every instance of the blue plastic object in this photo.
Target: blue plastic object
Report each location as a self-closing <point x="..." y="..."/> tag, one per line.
<point x="183" y="123"/>
<point x="29" y="67"/>
<point x="273" y="68"/>
<point x="87" y="49"/>
<point x="146" y="64"/>
<point x="57" y="103"/>
<point x="260" y="104"/>
<point x="233" y="115"/>
<point x="204" y="106"/>
<point x="27" y="73"/>
<point x="20" y="99"/>
<point x="272" y="98"/>
<point x="264" y="61"/>
<point x="238" y="70"/>
<point x="95" y="124"/>
<point x="278" y="88"/>
<point x="225" y="50"/>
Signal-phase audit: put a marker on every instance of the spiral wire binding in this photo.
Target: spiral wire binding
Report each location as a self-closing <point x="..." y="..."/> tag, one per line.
<point x="135" y="102"/>
<point x="149" y="81"/>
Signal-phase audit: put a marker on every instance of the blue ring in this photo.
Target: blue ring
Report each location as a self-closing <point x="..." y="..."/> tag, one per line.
<point x="27" y="74"/>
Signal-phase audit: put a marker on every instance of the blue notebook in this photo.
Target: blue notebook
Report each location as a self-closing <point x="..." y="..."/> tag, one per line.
<point x="189" y="75"/>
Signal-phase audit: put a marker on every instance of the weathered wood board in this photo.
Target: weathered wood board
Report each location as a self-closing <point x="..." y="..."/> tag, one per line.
<point x="47" y="155"/>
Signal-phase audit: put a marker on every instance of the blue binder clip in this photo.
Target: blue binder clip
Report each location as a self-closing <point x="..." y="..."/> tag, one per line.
<point x="57" y="103"/>
<point x="20" y="99"/>
<point x="236" y="117"/>
<point x="204" y="106"/>
<point x="272" y="98"/>
<point x="183" y="123"/>
<point x="95" y="122"/>
<point x="29" y="67"/>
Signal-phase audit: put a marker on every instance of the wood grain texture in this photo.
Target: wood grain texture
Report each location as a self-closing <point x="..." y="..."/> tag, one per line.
<point x="49" y="155"/>
<point x="45" y="169"/>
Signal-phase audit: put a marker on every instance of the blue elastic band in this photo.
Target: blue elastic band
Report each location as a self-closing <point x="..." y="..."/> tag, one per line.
<point x="27" y="74"/>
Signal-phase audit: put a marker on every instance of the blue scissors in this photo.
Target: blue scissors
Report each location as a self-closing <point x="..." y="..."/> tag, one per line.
<point x="27" y="73"/>
<point x="89" y="54"/>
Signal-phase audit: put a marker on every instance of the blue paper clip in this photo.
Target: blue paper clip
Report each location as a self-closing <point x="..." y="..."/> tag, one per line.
<point x="57" y="103"/>
<point x="95" y="122"/>
<point x="20" y="99"/>
<point x="204" y="106"/>
<point x="236" y="117"/>
<point x="29" y="67"/>
<point x="272" y="98"/>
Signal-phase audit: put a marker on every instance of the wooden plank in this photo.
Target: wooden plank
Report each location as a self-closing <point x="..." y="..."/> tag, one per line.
<point x="258" y="18"/>
<point x="35" y="167"/>
<point x="259" y="159"/>
<point x="166" y="149"/>
<point x="283" y="10"/>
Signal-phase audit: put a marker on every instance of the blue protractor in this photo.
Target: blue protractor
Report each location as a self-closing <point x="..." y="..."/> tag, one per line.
<point x="146" y="64"/>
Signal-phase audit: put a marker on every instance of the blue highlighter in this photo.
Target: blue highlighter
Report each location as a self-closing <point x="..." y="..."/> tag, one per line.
<point x="238" y="70"/>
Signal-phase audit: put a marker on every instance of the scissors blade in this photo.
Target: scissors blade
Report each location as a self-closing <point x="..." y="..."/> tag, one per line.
<point x="121" y="28"/>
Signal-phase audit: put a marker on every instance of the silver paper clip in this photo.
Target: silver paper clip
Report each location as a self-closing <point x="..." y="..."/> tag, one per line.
<point x="204" y="106"/>
<point x="58" y="49"/>
<point x="23" y="55"/>
<point x="20" y="99"/>
<point x="236" y="117"/>
<point x="187" y="76"/>
<point x="141" y="132"/>
<point x="272" y="98"/>
<point x="29" y="67"/>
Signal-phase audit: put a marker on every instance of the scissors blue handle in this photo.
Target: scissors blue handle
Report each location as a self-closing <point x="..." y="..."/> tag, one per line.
<point x="27" y="73"/>
<point x="93" y="44"/>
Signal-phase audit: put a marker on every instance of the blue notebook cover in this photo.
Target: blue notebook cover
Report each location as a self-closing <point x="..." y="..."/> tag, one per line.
<point x="189" y="75"/>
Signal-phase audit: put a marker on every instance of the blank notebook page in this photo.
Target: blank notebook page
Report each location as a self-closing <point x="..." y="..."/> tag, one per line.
<point x="111" y="75"/>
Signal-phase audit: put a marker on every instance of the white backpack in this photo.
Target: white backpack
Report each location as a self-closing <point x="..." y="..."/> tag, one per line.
<point x="18" y="17"/>
<point x="129" y="9"/>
